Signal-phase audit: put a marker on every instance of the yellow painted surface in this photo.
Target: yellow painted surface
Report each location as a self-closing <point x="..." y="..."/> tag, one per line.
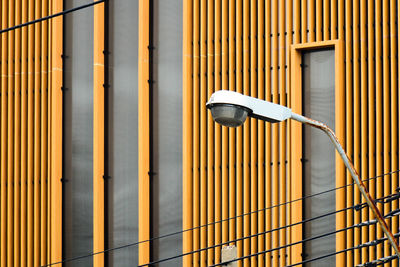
<point x="30" y="197"/>
<point x="98" y="135"/>
<point x="259" y="164"/>
<point x="210" y="130"/>
<point x="187" y="130"/>
<point x="144" y="128"/>
<point x="349" y="134"/>
<point x="56" y="136"/>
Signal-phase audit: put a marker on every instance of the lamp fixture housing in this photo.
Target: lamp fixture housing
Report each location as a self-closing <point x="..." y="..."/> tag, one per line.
<point x="231" y="109"/>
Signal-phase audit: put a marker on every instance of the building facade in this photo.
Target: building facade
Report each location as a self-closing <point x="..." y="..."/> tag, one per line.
<point x="108" y="151"/>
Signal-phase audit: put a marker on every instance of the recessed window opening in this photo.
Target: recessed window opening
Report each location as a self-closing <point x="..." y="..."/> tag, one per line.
<point x="318" y="77"/>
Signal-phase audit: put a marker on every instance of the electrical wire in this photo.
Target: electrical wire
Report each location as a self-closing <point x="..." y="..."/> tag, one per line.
<point x="368" y="264"/>
<point x="245" y="237"/>
<point x="303" y="241"/>
<point x="287" y="245"/>
<point x="378" y="261"/>
<point x="227" y="219"/>
<point x="202" y="249"/>
<point x="51" y="16"/>
<point x="358" y="206"/>
<point x="322" y="257"/>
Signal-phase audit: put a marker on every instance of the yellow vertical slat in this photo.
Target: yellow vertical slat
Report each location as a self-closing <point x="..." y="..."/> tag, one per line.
<point x="275" y="134"/>
<point x="340" y="128"/>
<point x="242" y="133"/>
<point x="37" y="133"/>
<point x="296" y="155"/>
<point x="225" y="86"/>
<point x="17" y="138"/>
<point x="394" y="111"/>
<point x="268" y="179"/>
<point x="298" y="35"/>
<point x="210" y="130"/>
<point x="318" y="18"/>
<point x="340" y="131"/>
<point x="203" y="130"/>
<point x="378" y="92"/>
<point x="349" y="129"/>
<point x="289" y="40"/>
<point x="357" y="124"/>
<point x="311" y="17"/>
<point x="43" y="142"/>
<point x="304" y="21"/>
<point x="4" y="54"/>
<point x="24" y="144"/>
<point x="244" y="183"/>
<point x="10" y="146"/>
<point x="341" y="20"/>
<point x="217" y="145"/>
<point x="49" y="157"/>
<point x="371" y="118"/>
<point x="296" y="24"/>
<point x="282" y="132"/>
<point x="232" y="135"/>
<point x="334" y="18"/>
<point x="10" y="137"/>
<point x="326" y="17"/>
<point x="30" y="171"/>
<point x="261" y="133"/>
<point x="187" y="94"/>
<point x="56" y="135"/>
<point x="386" y="117"/>
<point x="98" y="135"/>
<point x="196" y="131"/>
<point x="253" y="131"/>
<point x="364" y="116"/>
<point x="144" y="132"/>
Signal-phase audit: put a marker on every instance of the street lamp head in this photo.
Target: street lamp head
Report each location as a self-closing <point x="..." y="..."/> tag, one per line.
<point x="231" y="109"/>
<point x="228" y="114"/>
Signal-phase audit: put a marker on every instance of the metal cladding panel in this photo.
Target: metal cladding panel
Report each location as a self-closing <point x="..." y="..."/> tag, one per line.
<point x="166" y="106"/>
<point x="78" y="134"/>
<point x="122" y="209"/>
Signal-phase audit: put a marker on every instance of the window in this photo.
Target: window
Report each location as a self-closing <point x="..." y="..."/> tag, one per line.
<point x="317" y="90"/>
<point x="318" y="81"/>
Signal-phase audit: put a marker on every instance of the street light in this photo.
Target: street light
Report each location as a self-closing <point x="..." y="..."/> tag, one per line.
<point x="231" y="109"/>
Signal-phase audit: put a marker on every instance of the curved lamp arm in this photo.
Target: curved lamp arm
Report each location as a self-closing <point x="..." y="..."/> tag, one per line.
<point x="354" y="174"/>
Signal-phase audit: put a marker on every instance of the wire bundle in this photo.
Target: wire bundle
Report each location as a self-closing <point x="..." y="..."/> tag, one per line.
<point x="385" y="199"/>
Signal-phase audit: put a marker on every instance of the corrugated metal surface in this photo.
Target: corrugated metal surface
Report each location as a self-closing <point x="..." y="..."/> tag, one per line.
<point x="30" y="133"/>
<point x="248" y="168"/>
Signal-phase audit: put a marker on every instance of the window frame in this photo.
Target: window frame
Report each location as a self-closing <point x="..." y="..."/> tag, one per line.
<point x="296" y="144"/>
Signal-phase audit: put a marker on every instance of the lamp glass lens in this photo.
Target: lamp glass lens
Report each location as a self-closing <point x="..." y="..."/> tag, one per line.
<point x="229" y="115"/>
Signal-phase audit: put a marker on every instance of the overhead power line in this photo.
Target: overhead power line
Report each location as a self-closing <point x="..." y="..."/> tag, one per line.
<point x="357" y="207"/>
<point x="51" y="16"/>
<point x="378" y="261"/>
<point x="231" y="218"/>
<point x="368" y="244"/>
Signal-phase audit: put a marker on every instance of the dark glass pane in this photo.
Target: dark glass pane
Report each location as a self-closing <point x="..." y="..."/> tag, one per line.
<point x="78" y="134"/>
<point x="122" y="188"/>
<point x="319" y="152"/>
<point x="167" y="129"/>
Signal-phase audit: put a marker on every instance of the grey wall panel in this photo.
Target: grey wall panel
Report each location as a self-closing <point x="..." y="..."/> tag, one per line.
<point x="78" y="134"/>
<point x="167" y="129"/>
<point x="319" y="169"/>
<point x="123" y="132"/>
